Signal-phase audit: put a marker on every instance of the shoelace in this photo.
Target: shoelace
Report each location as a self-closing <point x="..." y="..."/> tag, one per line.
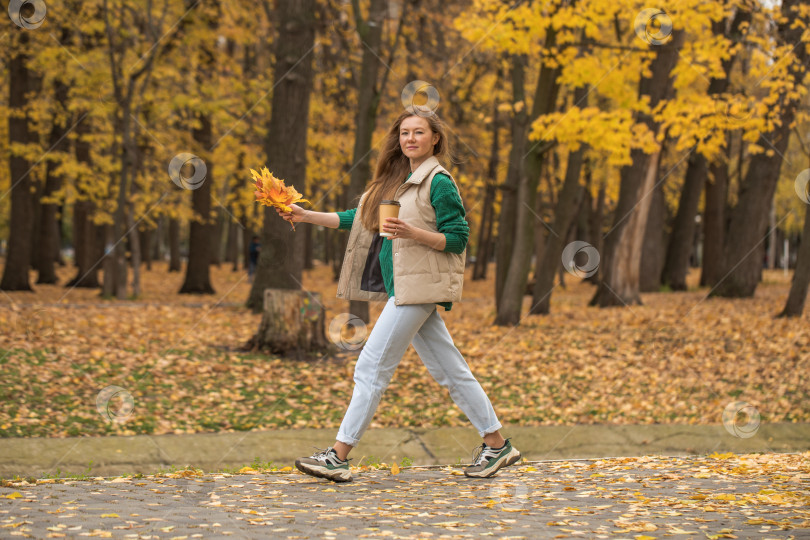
<point x="320" y="453"/>
<point x="482" y="453"/>
<point x="324" y="453"/>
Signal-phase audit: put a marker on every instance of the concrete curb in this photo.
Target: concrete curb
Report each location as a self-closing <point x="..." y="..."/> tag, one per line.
<point x="215" y="451"/>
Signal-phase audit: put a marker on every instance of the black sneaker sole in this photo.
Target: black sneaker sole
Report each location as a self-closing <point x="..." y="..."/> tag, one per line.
<point x="321" y="473"/>
<point x="509" y="459"/>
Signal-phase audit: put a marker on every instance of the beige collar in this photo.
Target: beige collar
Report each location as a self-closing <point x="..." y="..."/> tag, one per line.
<point x="423" y="170"/>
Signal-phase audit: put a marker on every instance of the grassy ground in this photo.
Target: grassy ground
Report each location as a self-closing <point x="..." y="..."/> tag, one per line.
<point x="679" y="358"/>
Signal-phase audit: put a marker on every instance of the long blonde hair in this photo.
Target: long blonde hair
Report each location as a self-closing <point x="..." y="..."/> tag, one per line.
<point x="393" y="167"/>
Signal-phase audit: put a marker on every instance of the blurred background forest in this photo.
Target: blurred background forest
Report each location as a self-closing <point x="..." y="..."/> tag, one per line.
<point x="608" y="154"/>
<point x="621" y="143"/>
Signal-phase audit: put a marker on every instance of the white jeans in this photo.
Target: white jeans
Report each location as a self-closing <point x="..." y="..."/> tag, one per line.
<point x="396" y="328"/>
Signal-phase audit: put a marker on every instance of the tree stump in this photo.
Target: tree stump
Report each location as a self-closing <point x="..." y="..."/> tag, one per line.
<point x="293" y="325"/>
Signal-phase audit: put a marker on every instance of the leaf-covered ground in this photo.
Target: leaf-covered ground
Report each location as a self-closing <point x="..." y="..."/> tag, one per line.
<point x="641" y="498"/>
<point x="679" y="358"/>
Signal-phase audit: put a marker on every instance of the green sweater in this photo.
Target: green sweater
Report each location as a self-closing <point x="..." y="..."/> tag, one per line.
<point x="450" y="214"/>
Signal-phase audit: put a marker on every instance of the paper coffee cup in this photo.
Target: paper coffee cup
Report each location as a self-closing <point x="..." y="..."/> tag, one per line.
<point x="388" y="209"/>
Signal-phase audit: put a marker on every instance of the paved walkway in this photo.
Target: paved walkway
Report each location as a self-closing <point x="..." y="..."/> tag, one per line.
<point x="723" y="496"/>
<point x="437" y="446"/>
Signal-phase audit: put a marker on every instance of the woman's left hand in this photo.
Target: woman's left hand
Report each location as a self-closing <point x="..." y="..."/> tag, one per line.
<point x="399" y="228"/>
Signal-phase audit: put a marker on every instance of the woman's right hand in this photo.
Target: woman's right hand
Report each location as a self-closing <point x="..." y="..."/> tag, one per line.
<point x="296" y="215"/>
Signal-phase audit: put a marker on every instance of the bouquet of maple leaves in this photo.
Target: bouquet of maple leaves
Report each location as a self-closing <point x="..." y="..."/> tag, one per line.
<point x="271" y="191"/>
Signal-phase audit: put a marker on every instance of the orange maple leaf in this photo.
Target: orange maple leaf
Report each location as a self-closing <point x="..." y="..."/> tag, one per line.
<point x="271" y="191"/>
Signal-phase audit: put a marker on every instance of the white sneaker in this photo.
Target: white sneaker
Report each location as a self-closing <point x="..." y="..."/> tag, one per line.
<point x="325" y="464"/>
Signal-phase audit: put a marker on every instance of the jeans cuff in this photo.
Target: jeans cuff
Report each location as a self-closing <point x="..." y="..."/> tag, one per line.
<point x="492" y="429"/>
<point x="342" y="437"/>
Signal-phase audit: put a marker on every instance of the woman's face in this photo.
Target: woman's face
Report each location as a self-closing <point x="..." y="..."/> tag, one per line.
<point x="416" y="138"/>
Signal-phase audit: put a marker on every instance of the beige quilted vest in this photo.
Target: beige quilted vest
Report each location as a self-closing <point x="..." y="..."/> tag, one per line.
<point x="422" y="274"/>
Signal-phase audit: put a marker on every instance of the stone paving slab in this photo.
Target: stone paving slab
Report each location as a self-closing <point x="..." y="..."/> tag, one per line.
<point x="641" y="498"/>
<point x="433" y="446"/>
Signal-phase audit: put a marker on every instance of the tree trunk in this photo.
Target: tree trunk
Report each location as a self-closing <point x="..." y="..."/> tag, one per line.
<point x="281" y="259"/>
<point x="60" y="235"/>
<point x="714" y="224"/>
<point x="247" y="234"/>
<point x="801" y="276"/>
<point x="545" y="99"/>
<point x="582" y="217"/>
<point x="115" y="263"/>
<point x="568" y="202"/>
<point x="485" y="244"/>
<point x="85" y="233"/>
<point x="201" y="243"/>
<point x="293" y="325"/>
<point x="539" y="247"/>
<point x="680" y="244"/>
<point x="174" y="245"/>
<point x="37" y="188"/>
<point x="620" y="283"/>
<point x="84" y="245"/>
<point x="749" y="220"/>
<point x="204" y="240"/>
<point x="770" y="256"/>
<point x="108" y="283"/>
<point x="488" y="211"/>
<point x="509" y="191"/>
<point x="133" y="234"/>
<point x="681" y="241"/>
<point x="339" y="238"/>
<point x="232" y="248"/>
<point x="146" y="237"/>
<point x="48" y="242"/>
<point x="748" y="226"/>
<point x="158" y="238"/>
<point x="309" y="241"/>
<point x="595" y="223"/>
<point x="134" y="251"/>
<point x="217" y="232"/>
<point x="21" y="82"/>
<point x="125" y="90"/>
<point x="368" y="99"/>
<point x="655" y="238"/>
<point x="115" y="282"/>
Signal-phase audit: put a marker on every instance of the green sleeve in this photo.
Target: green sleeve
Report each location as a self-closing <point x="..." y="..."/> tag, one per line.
<point x="450" y="213"/>
<point x="346" y="218"/>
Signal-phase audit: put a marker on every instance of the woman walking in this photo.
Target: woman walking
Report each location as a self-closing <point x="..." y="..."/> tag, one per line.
<point x="419" y="266"/>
